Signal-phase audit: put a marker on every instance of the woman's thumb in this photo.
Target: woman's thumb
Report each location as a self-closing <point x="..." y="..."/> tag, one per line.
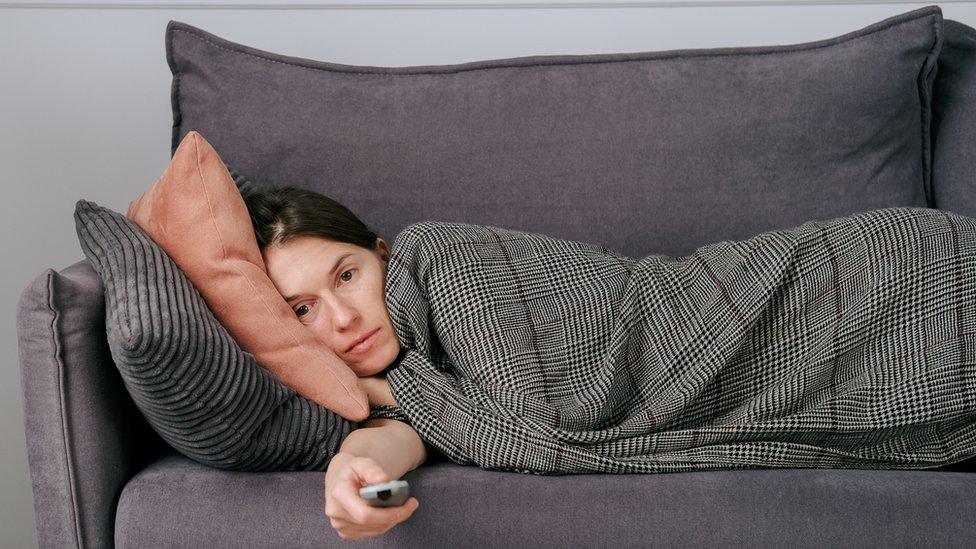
<point x="371" y="472"/>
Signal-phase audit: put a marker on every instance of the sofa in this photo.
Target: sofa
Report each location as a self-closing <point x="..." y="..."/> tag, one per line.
<point x="584" y="155"/>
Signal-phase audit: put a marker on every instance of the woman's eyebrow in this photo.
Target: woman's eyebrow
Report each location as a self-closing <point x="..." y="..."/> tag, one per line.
<point x="332" y="270"/>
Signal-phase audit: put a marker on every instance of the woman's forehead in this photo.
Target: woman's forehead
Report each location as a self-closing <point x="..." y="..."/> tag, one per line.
<point x="302" y="255"/>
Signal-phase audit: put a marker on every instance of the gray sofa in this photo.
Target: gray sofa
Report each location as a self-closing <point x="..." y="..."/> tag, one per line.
<point x="102" y="477"/>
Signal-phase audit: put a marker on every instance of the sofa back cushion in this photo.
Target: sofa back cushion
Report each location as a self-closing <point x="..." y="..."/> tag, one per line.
<point x="650" y="152"/>
<point x="954" y="123"/>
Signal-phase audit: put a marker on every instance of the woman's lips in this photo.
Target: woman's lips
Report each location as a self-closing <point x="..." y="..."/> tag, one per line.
<point x="365" y="344"/>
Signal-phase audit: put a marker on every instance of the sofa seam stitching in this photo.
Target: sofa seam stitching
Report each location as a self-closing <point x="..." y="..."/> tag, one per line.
<point x="58" y="359"/>
<point x="928" y="168"/>
<point x="576" y="62"/>
<point x="174" y="96"/>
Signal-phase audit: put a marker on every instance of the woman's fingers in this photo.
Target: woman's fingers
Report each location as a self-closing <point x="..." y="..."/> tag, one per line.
<point x="365" y="514"/>
<point x="377" y="521"/>
<point x="361" y="471"/>
<point x="354" y="530"/>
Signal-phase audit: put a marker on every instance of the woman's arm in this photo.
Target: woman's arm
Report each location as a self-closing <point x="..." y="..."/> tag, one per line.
<point x="392" y="444"/>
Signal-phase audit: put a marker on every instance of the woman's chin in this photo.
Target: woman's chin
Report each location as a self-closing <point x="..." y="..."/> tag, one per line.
<point x="372" y="372"/>
<point x="375" y="366"/>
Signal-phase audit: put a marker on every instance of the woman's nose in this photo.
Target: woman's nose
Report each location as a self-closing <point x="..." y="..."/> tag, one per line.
<point x="344" y="314"/>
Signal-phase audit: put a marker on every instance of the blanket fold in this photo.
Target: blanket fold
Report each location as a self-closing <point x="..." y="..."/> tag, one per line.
<point x="840" y="343"/>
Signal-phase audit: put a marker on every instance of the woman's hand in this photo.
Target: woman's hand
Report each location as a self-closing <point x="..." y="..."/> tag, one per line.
<point x="377" y="390"/>
<point x="349" y="514"/>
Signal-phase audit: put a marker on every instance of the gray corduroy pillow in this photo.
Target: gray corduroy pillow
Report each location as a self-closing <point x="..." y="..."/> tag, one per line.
<point x="202" y="393"/>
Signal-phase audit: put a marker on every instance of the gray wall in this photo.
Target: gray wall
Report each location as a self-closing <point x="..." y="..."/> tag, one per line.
<point x="84" y="89"/>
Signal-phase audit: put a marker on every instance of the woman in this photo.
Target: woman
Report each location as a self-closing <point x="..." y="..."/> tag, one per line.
<point x="331" y="269"/>
<point x="846" y="343"/>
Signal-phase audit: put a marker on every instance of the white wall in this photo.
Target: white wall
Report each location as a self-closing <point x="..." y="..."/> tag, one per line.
<point x="85" y="105"/>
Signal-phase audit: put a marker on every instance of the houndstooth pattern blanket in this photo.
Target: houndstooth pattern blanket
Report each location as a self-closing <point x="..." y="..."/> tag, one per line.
<point x="843" y="343"/>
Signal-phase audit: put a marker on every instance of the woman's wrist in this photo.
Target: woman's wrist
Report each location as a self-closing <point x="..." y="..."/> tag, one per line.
<point x="392" y="444"/>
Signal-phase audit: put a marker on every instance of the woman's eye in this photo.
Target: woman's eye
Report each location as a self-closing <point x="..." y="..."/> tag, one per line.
<point x="299" y="310"/>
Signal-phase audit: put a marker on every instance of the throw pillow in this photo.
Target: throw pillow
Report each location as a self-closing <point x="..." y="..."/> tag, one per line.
<point x="197" y="388"/>
<point x="196" y="213"/>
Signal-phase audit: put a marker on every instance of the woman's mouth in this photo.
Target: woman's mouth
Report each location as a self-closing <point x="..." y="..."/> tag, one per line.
<point x="366" y="343"/>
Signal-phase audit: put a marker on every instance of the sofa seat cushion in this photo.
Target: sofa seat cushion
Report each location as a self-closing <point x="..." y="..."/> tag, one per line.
<point x="176" y="502"/>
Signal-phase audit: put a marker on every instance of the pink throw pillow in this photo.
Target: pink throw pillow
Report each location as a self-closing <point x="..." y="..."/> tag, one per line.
<point x="195" y="212"/>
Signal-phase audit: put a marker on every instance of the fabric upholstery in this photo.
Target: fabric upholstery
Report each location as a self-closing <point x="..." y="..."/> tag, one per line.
<point x="649" y="152"/>
<point x="463" y="506"/>
<point x="954" y="124"/>
<point x="197" y="215"/>
<point x="204" y="395"/>
<point x="84" y="436"/>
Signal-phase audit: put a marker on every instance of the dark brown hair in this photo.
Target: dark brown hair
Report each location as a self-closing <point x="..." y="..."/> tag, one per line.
<point x="279" y="214"/>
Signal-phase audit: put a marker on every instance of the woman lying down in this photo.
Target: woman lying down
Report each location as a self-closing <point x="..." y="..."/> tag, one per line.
<point x="842" y="343"/>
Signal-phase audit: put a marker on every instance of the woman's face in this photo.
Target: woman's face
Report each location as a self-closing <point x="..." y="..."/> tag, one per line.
<point x="341" y="305"/>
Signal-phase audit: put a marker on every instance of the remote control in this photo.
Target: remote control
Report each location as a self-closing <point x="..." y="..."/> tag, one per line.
<point x="386" y="494"/>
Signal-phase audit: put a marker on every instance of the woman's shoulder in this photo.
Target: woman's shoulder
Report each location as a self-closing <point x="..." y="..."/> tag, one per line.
<point x="461" y="231"/>
<point x="428" y="226"/>
<point x="439" y="233"/>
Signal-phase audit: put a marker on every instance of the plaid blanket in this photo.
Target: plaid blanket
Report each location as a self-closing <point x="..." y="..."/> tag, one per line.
<point x="844" y="343"/>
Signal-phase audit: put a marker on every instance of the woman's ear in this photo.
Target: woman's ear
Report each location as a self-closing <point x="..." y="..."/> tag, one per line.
<point x="383" y="249"/>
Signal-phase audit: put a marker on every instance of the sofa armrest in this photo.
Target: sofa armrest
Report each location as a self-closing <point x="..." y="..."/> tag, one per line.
<point x="85" y="437"/>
